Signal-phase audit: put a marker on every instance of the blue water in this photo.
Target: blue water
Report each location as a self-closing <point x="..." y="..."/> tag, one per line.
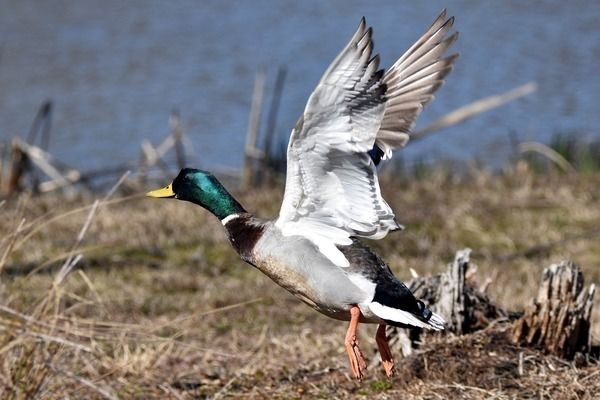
<point x="115" y="69"/>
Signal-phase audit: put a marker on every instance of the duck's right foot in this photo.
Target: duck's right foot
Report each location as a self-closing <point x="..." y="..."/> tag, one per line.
<point x="357" y="361"/>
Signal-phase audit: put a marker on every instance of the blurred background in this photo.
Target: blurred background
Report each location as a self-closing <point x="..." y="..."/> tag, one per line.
<point x="114" y="70"/>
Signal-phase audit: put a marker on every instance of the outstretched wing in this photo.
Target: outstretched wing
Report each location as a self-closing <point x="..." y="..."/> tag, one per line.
<point x="332" y="191"/>
<point x="411" y="82"/>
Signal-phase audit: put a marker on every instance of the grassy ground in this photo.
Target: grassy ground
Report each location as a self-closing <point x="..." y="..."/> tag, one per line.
<point x="161" y="307"/>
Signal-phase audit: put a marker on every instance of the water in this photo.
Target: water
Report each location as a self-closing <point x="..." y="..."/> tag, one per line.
<point x="115" y="69"/>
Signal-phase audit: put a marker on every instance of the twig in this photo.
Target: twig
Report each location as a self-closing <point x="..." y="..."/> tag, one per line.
<point x="549" y="153"/>
<point x="114" y="188"/>
<point x="178" y="321"/>
<point x="73" y="259"/>
<point x="170" y="390"/>
<point x="521" y="368"/>
<point x="239" y="372"/>
<point x="459" y="386"/>
<point x="593" y="374"/>
<point x="31" y="269"/>
<point x="103" y="392"/>
<point x="42" y="224"/>
<point x="56" y="339"/>
<point x="11" y="244"/>
<point x="72" y="328"/>
<point x="477" y="107"/>
<point x="92" y="288"/>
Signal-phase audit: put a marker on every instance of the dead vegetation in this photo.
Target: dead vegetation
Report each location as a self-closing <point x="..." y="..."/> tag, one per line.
<point x="487" y="365"/>
<point x="159" y="306"/>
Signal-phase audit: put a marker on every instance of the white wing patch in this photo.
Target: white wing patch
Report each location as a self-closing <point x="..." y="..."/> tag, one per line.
<point x="435" y="323"/>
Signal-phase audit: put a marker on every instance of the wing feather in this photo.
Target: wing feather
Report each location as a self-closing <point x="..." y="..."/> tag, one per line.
<point x="420" y="69"/>
<point x="332" y="191"/>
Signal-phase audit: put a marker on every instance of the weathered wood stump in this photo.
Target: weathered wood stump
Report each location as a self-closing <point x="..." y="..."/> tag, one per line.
<point x="558" y="320"/>
<point x="465" y="308"/>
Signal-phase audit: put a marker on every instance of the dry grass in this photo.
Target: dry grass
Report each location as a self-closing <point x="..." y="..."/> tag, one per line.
<point x="161" y="307"/>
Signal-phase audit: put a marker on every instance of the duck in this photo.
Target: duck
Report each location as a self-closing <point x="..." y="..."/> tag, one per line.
<point x="355" y="118"/>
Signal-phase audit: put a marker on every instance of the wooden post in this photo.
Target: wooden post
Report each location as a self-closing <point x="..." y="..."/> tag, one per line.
<point x="559" y="318"/>
<point x="177" y="132"/>
<point x="3" y="148"/>
<point x="41" y="125"/>
<point x="251" y="153"/>
<point x="19" y="163"/>
<point x="273" y="110"/>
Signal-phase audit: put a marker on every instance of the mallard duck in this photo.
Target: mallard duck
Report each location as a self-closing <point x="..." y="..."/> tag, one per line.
<point x="353" y="120"/>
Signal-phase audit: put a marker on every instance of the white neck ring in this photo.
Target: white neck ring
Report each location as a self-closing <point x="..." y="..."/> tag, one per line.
<point x="228" y="218"/>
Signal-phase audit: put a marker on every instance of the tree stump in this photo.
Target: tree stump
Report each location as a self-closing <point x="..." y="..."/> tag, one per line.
<point x="559" y="318"/>
<point x="464" y="308"/>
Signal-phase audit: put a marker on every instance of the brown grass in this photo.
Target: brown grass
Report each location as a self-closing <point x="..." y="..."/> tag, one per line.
<point x="160" y="306"/>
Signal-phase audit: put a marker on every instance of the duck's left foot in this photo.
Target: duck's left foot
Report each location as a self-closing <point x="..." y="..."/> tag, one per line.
<point x="357" y="361"/>
<point x="384" y="349"/>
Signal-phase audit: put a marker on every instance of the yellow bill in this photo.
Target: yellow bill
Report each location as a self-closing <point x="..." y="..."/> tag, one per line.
<point x="163" y="192"/>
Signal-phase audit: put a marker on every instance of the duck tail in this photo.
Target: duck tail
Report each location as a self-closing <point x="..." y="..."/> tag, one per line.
<point x="419" y="316"/>
<point x="435" y="321"/>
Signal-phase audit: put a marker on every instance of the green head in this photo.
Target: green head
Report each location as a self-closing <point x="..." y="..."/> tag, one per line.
<point x="202" y="188"/>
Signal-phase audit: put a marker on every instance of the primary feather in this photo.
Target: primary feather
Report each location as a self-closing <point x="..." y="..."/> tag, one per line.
<point x="357" y="115"/>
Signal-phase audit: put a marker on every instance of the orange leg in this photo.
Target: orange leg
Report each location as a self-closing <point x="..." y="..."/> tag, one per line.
<point x="357" y="361"/>
<point x="384" y="349"/>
